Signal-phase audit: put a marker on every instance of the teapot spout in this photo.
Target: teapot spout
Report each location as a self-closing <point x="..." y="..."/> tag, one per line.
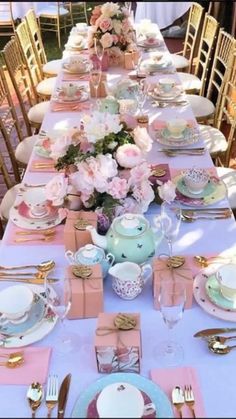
<point x="97" y="239"/>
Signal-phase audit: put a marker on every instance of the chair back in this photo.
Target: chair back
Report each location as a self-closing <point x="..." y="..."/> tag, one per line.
<point x="225" y="47"/>
<point x="20" y="78"/>
<point x="36" y="39"/>
<point x="28" y="52"/>
<point x="206" y="49"/>
<point x="7" y="24"/>
<point x="192" y="32"/>
<point x="78" y="11"/>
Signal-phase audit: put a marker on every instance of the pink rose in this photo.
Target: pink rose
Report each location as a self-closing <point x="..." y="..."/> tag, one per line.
<point x="118" y="188"/>
<point x="105" y="24"/>
<point x="115" y="39"/>
<point x="96" y="13"/>
<point x="106" y="40"/>
<point x="142" y="139"/>
<point x="139" y="173"/>
<point x="129" y="155"/>
<point x="56" y="189"/>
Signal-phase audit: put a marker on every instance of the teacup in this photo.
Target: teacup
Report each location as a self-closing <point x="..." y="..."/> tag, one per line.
<point x="166" y="84"/>
<point x="128" y="279"/>
<point x="122" y="400"/>
<point x="195" y="179"/>
<point x="15" y="303"/>
<point x="176" y="126"/>
<point x="226" y="276"/>
<point x="36" y="200"/>
<point x="76" y="64"/>
<point x="69" y="89"/>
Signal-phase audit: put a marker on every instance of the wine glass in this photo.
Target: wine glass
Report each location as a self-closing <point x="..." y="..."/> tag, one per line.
<point x="95" y="77"/>
<point x="170" y="220"/>
<point x="141" y="94"/>
<point x="99" y="50"/>
<point x="171" y="299"/>
<point x="59" y="300"/>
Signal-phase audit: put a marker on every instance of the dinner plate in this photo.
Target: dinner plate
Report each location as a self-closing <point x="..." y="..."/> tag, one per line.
<point x="190" y="136"/>
<point x="215" y="195"/>
<point x="25" y="212"/>
<point x="201" y="297"/>
<point x="156" y="394"/>
<point x="208" y="190"/>
<point x="80" y="96"/>
<point x="66" y="69"/>
<point x="52" y="219"/>
<point x="35" y="315"/>
<point x="214" y="294"/>
<point x="39" y="331"/>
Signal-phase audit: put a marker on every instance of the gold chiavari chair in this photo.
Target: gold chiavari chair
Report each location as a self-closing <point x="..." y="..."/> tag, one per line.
<point x="206" y="109"/>
<point x="78" y="11"/>
<point x="184" y="59"/>
<point x="32" y="111"/>
<point x="43" y="88"/>
<point x="7" y="22"/>
<point x="203" y="61"/>
<point x="47" y="68"/>
<point x="10" y="125"/>
<point x="11" y="191"/>
<point x="54" y="18"/>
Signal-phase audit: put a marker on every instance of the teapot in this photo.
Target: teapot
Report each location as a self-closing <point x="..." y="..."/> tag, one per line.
<point x="90" y="255"/>
<point x="124" y="89"/>
<point x="108" y="104"/>
<point x="129" y="238"/>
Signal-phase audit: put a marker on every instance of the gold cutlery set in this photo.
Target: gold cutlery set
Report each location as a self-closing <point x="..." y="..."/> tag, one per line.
<point x="38" y="277"/>
<point x="54" y="396"/>
<point x="40" y="235"/>
<point x="216" y="344"/>
<point x="193" y="214"/>
<point x="183" y="396"/>
<point x="173" y="152"/>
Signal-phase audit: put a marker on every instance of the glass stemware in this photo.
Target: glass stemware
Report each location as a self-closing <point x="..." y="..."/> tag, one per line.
<point x="99" y="50"/>
<point x="141" y="95"/>
<point x="95" y="78"/>
<point x="59" y="302"/>
<point x="170" y="220"/>
<point x="171" y="298"/>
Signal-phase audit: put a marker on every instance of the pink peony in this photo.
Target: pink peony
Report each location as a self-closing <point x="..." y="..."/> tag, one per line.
<point x="129" y="155"/>
<point x="104" y="23"/>
<point x="142" y="139"/>
<point x="60" y="147"/>
<point x="118" y="188"/>
<point x="167" y="191"/>
<point x="139" y="173"/>
<point x="56" y="189"/>
<point x="106" y="40"/>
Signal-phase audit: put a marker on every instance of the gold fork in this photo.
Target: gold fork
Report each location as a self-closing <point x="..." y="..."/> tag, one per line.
<point x="178" y="399"/>
<point x="189" y="398"/>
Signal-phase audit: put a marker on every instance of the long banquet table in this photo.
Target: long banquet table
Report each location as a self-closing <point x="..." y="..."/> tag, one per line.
<point x="216" y="374"/>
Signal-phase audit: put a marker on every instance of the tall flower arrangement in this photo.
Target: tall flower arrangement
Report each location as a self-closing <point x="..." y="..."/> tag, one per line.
<point x="112" y="29"/>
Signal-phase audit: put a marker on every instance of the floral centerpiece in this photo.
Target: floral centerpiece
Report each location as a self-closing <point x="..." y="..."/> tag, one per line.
<point x="112" y="29"/>
<point x="109" y="171"/>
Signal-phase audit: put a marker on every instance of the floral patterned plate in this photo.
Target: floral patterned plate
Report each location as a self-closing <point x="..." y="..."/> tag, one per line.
<point x="209" y="188"/>
<point x="80" y="96"/>
<point x="215" y="295"/>
<point x="159" y="93"/>
<point x="152" y="43"/>
<point x="24" y="212"/>
<point x="39" y="331"/>
<point x="200" y="295"/>
<point x="43" y="148"/>
<point x="53" y="219"/>
<point x="156" y="394"/>
<point x="190" y="136"/>
<point x="215" y="194"/>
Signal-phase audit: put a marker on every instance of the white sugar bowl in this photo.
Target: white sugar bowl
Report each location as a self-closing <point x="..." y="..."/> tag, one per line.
<point x="195" y="179"/>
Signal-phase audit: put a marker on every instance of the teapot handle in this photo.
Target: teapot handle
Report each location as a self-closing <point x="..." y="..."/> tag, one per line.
<point x="110" y="258"/>
<point x="146" y="271"/>
<point x="70" y="257"/>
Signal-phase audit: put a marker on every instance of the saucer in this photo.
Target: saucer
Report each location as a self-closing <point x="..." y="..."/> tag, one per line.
<point x="35" y="315"/>
<point x="25" y="212"/>
<point x="144" y="43"/>
<point x="159" y="93"/>
<point x="19" y="215"/>
<point x="213" y="292"/>
<point x="208" y="189"/>
<point x="156" y="394"/>
<point x="43" y="148"/>
<point x="66" y="68"/>
<point x="189" y="136"/>
<point x="80" y="96"/>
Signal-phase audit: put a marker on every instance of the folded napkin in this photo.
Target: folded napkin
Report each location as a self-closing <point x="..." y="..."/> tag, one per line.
<point x="70" y="76"/>
<point x="49" y="165"/>
<point x="10" y="236"/>
<point x="168" y="378"/>
<point x="70" y="107"/>
<point x="34" y="368"/>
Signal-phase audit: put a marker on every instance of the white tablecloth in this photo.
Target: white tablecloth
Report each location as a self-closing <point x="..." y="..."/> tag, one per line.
<point x="217" y="374"/>
<point x="162" y="13"/>
<point x="19" y="9"/>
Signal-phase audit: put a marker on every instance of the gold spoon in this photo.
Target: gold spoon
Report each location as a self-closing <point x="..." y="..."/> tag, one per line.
<point x="35" y="396"/>
<point x="204" y="262"/>
<point x="14" y="360"/>
<point x="42" y="239"/>
<point x="32" y="233"/>
<point x="219" y="348"/>
<point x="220" y="339"/>
<point x="45" y="266"/>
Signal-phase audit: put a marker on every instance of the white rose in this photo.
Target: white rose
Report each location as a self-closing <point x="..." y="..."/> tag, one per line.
<point x="167" y="191"/>
<point x="56" y="189"/>
<point x="142" y="139"/>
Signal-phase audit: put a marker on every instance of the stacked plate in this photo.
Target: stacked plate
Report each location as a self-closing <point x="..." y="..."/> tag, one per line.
<point x="76" y="65"/>
<point x="80" y="95"/>
<point x="189" y="135"/>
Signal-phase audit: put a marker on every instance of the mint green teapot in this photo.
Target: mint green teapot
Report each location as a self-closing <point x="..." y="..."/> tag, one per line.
<point x="109" y="104"/>
<point x="129" y="238"/>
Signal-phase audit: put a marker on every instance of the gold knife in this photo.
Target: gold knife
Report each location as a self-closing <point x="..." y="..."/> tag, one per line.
<point x="208" y="332"/>
<point x="63" y="396"/>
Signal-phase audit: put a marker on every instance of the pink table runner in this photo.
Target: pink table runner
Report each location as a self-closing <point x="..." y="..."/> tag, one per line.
<point x="58" y="238"/>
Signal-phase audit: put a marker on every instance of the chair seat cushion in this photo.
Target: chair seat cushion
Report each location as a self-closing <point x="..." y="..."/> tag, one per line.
<point x="52" y="67"/>
<point x="179" y="61"/>
<point x="215" y="141"/>
<point x="229" y="178"/>
<point x="201" y="106"/>
<point x="37" y="112"/>
<point x="8" y="201"/>
<point x="46" y="87"/>
<point x="189" y="81"/>
<point x="24" y="149"/>
<point x="52" y="11"/>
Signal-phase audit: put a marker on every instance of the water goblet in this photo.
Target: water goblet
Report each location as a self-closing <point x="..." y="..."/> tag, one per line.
<point x="95" y="78"/>
<point x="99" y="50"/>
<point x="170" y="220"/>
<point x="141" y="95"/>
<point x="171" y="299"/>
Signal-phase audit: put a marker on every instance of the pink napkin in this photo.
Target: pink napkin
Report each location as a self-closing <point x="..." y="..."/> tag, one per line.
<point x="70" y="107"/>
<point x="48" y="162"/>
<point x="168" y="378"/>
<point x="10" y="236"/>
<point x="158" y="124"/>
<point x="34" y="368"/>
<point x="69" y="77"/>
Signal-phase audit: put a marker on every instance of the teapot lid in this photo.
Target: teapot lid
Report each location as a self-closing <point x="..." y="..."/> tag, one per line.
<point x="130" y="225"/>
<point x="89" y="251"/>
